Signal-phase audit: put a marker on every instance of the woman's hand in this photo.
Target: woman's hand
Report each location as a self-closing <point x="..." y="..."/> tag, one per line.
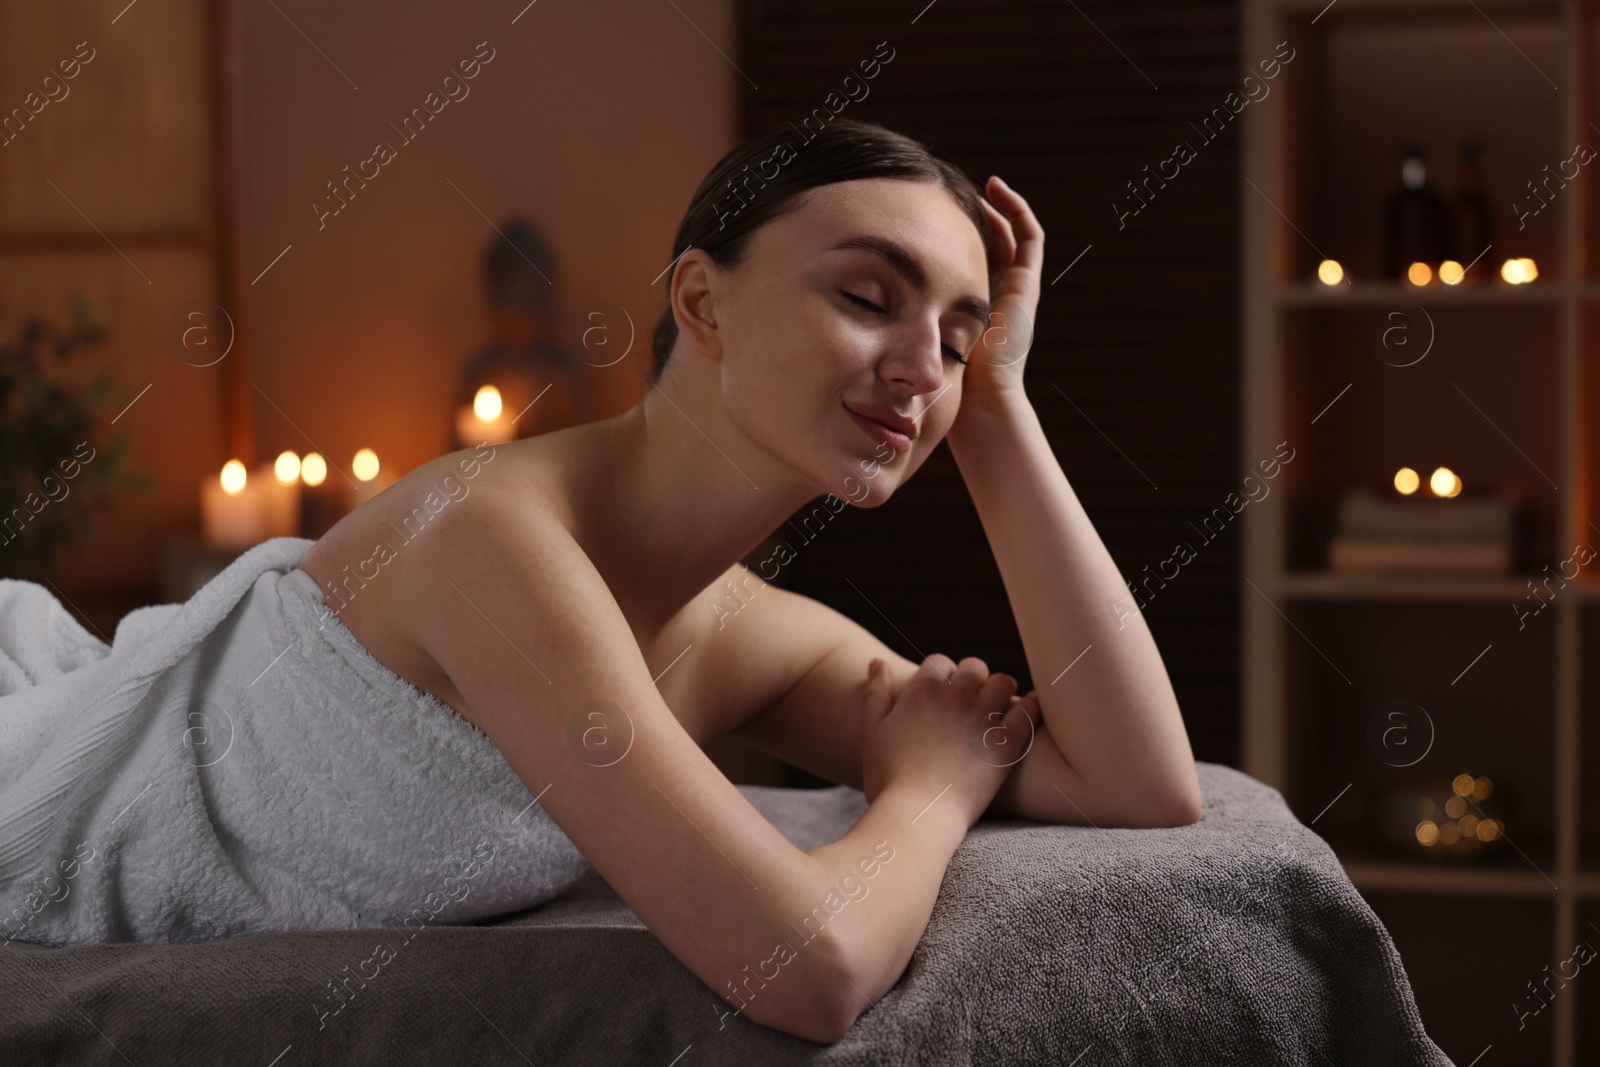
<point x="955" y="730"/>
<point x="995" y="362"/>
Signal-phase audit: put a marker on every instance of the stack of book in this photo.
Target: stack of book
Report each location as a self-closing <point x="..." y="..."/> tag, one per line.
<point x="1400" y="533"/>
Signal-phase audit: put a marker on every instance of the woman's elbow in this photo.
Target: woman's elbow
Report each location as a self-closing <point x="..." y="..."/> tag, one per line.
<point x="1184" y="809"/>
<point x="820" y="1005"/>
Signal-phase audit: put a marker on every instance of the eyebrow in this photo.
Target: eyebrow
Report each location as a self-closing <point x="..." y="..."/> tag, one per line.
<point x="909" y="267"/>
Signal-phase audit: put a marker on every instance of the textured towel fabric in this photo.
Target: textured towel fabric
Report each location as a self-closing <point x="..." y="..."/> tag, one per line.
<point x="240" y="764"/>
<point x="1237" y="940"/>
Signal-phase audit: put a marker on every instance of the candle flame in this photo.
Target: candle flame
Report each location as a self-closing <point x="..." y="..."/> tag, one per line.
<point x="486" y="403"/>
<point x="286" y="468"/>
<point x="365" y="465"/>
<point x="1519" y="271"/>
<point x="233" y="477"/>
<point x="1444" y="482"/>
<point x="313" y="469"/>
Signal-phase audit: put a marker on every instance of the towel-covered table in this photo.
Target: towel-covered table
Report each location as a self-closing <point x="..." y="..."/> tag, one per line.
<point x="1237" y="939"/>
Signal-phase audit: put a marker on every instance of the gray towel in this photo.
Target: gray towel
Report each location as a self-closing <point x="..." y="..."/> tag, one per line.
<point x="1048" y="946"/>
<point x="240" y="764"/>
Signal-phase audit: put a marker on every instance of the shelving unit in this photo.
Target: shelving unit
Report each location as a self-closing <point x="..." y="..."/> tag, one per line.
<point x="1504" y="397"/>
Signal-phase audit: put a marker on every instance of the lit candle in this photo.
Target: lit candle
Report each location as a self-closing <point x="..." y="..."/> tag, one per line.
<point x="484" y="420"/>
<point x="372" y="478"/>
<point x="232" y="509"/>
<point x="1519" y="271"/>
<point x="320" y="502"/>
<point x="1443" y="482"/>
<point x="281" y="490"/>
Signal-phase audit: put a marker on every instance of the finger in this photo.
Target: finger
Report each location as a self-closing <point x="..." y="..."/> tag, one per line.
<point x="970" y="674"/>
<point x="878" y="696"/>
<point x="997" y="687"/>
<point x="1007" y="241"/>
<point x="1027" y="233"/>
<point x="1023" y="716"/>
<point x="939" y="665"/>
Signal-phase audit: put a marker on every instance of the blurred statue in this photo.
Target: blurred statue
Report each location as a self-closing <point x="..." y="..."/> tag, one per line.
<point x="541" y="388"/>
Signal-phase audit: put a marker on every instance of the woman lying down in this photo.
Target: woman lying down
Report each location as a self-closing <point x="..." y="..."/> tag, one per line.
<point x="501" y="671"/>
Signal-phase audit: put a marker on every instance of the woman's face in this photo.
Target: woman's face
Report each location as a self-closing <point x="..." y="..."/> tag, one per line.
<point x="865" y="297"/>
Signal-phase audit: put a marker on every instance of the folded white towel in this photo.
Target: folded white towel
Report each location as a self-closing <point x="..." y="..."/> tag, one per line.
<point x="239" y="764"/>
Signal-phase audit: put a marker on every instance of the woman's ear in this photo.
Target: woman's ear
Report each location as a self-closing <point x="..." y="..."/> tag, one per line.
<point x="697" y="283"/>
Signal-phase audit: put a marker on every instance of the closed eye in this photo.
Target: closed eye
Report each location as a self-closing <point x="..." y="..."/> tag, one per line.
<point x="870" y="306"/>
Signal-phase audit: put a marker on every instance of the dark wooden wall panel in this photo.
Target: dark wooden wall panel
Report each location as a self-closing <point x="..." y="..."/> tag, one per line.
<point x="1141" y="334"/>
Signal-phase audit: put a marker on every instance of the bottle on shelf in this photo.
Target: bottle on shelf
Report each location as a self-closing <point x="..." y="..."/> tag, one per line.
<point x="1473" y="222"/>
<point x="1417" y="227"/>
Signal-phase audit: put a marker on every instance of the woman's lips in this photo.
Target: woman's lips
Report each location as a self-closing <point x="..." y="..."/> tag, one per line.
<point x="881" y="433"/>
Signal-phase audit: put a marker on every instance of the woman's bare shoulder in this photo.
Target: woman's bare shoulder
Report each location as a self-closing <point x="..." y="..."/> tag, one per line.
<point x="380" y="567"/>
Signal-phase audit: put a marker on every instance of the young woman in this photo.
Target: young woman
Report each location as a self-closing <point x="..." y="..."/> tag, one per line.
<point x="852" y="304"/>
<point x="857" y="293"/>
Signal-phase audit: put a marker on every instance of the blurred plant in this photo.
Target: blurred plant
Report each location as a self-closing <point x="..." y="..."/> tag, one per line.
<point x="53" y="477"/>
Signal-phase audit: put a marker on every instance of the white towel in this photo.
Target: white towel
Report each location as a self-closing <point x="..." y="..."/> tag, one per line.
<point x="240" y="764"/>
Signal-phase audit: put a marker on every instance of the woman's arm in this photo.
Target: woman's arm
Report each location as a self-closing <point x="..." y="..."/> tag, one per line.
<point x="1113" y="713"/>
<point x="525" y="627"/>
<point x="1107" y="701"/>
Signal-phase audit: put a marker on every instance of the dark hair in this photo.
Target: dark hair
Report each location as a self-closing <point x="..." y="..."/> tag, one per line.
<point x="740" y="194"/>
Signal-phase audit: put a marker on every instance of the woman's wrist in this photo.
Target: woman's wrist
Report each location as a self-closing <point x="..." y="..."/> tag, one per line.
<point x="983" y="415"/>
<point x="935" y="808"/>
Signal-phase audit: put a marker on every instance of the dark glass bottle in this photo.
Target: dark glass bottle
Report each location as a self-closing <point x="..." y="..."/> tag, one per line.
<point x="1474" y="223"/>
<point x="1417" y="227"/>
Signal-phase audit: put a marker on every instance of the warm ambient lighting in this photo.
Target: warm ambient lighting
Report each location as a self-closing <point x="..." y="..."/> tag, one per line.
<point x="233" y="477"/>
<point x="1469" y="829"/>
<point x="486" y="403"/>
<point x="1406" y="480"/>
<point x="1519" y="271"/>
<point x="1451" y="272"/>
<point x="365" y="465"/>
<point x="1444" y="482"/>
<point x="286" y="468"/>
<point x="313" y="469"/>
<point x="484" y="421"/>
<point x="1419" y="274"/>
<point x="1329" y="272"/>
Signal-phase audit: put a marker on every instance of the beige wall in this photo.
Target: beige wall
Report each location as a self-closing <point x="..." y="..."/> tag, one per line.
<point x="598" y="119"/>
